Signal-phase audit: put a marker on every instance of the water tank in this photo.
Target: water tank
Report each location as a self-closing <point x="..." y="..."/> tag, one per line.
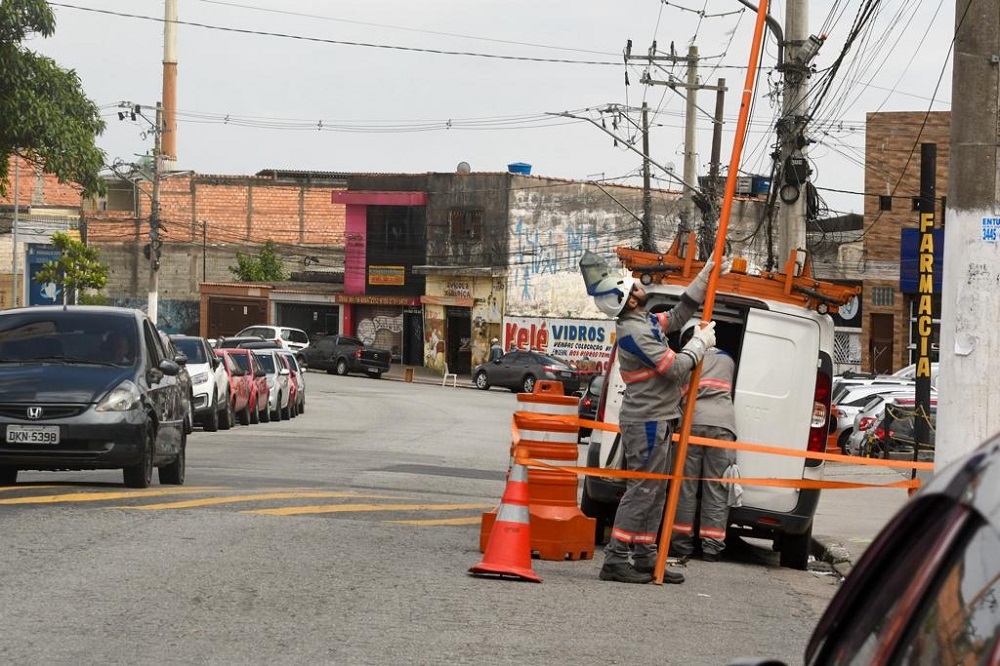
<point x="463" y="167"/>
<point x="522" y="168"/>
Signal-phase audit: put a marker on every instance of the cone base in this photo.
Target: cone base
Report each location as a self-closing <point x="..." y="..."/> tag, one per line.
<point x="484" y="568"/>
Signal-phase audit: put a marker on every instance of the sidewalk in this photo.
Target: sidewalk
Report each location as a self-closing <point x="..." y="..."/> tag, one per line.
<point x="848" y="520"/>
<point x="423" y="375"/>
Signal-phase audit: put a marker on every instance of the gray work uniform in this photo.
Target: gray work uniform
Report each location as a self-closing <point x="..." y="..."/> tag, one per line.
<point x="714" y="418"/>
<point x="653" y="374"/>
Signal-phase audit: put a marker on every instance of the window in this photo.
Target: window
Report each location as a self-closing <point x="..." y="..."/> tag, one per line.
<point x="883" y="296"/>
<point x="465" y="225"/>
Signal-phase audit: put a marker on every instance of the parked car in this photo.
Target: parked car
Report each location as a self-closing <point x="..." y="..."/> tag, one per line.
<point x="239" y="393"/>
<point x="852" y="400"/>
<point x="885" y="428"/>
<point x="298" y="378"/>
<point x="344" y="355"/>
<point x="246" y="342"/>
<point x="910" y="372"/>
<point x="71" y="402"/>
<point x="277" y="383"/>
<point x="519" y="370"/>
<point x="256" y="380"/>
<point x="210" y="401"/>
<point x="184" y="377"/>
<point x="848" y="380"/>
<point x="588" y="403"/>
<point x="925" y="590"/>
<point x="292" y="339"/>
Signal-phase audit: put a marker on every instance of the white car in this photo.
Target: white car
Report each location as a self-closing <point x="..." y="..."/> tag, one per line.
<point x="209" y="383"/>
<point x="277" y="383"/>
<point x="292" y="339"/>
<point x="853" y="399"/>
<point x="298" y="372"/>
<point x="870" y="416"/>
<point x="910" y="372"/>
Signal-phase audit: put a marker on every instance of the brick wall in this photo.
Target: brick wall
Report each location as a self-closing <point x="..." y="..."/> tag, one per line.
<point x="36" y="188"/>
<point x="892" y="166"/>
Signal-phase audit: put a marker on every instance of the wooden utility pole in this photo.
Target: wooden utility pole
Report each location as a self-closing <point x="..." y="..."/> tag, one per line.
<point x="969" y="377"/>
<point x="155" y="243"/>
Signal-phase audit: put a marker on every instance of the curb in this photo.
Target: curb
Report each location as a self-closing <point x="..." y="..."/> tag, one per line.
<point x="829" y="550"/>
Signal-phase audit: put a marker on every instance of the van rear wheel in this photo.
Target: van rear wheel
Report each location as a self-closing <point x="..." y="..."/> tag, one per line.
<point x="794" y="549"/>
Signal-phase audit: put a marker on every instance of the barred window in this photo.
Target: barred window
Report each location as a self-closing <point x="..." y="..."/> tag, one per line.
<point x="465" y="224"/>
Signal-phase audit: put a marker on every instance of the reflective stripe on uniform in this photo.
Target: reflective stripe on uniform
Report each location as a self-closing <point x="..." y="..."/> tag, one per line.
<point x="632" y="537"/>
<point x="712" y="533"/>
<point x="637" y="375"/>
<point x="683" y="528"/>
<point x="720" y="384"/>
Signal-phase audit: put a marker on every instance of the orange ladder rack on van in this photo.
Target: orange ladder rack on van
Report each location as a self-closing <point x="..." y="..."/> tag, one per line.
<point x="798" y="288"/>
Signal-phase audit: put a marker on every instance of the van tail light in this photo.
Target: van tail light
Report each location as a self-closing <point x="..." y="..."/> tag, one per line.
<point x="604" y="387"/>
<point x="865" y="423"/>
<point x="819" y="426"/>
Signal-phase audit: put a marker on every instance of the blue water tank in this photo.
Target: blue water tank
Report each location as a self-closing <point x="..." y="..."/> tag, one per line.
<point x="519" y="167"/>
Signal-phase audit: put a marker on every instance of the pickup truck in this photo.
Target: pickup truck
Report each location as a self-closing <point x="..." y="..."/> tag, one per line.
<point x="343" y="354"/>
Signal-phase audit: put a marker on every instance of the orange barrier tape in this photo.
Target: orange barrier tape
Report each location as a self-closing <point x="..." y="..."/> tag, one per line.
<point x="529" y="417"/>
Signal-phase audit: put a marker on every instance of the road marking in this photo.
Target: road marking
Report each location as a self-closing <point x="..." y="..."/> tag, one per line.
<point x="102" y="497"/>
<point x="209" y="501"/>
<point x="444" y="521"/>
<point x="7" y="489"/>
<point x="359" y="508"/>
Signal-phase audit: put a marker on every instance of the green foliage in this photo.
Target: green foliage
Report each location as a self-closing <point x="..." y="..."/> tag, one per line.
<point x="45" y="117"/>
<point x="265" y="266"/>
<point x="92" y="299"/>
<point x="78" y="268"/>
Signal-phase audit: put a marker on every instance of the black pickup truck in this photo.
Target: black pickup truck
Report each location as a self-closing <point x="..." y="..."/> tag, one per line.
<point x="343" y="354"/>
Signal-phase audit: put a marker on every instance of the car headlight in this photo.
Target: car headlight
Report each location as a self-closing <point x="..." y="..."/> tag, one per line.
<point x="200" y="378"/>
<point x="122" y="398"/>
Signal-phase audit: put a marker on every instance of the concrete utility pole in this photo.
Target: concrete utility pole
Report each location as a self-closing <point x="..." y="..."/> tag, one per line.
<point x="798" y="53"/>
<point x="154" y="220"/>
<point x="969" y="377"/>
<point x="169" y="84"/>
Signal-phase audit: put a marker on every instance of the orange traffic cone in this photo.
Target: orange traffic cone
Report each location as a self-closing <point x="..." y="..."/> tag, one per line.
<point x="509" y="550"/>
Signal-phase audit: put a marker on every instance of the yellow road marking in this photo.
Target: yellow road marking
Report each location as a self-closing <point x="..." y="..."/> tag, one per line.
<point x="209" y="501"/>
<point x="443" y="521"/>
<point x="346" y="508"/>
<point x="101" y="497"/>
<point x="25" y="486"/>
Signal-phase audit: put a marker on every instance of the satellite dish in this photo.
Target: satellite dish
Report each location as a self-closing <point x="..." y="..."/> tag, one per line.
<point x="463" y="167"/>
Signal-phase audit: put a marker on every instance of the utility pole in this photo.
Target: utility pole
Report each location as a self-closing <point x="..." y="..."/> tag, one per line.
<point x="17" y="208"/>
<point x="969" y="381"/>
<point x="799" y="50"/>
<point x="154" y="220"/>
<point x="647" y="195"/>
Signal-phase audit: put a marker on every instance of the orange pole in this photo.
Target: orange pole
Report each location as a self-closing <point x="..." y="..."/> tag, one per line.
<point x="670" y="510"/>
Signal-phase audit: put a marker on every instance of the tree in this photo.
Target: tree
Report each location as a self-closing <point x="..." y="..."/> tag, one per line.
<point x="265" y="266"/>
<point x="45" y="117"/>
<point x="78" y="268"/>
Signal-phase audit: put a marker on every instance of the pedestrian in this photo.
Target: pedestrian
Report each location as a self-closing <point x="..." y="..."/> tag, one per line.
<point x="496" y="350"/>
<point x="714" y="418"/>
<point x="653" y="375"/>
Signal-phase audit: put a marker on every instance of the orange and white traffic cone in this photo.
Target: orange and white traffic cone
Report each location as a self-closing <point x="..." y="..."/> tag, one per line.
<point x="508" y="552"/>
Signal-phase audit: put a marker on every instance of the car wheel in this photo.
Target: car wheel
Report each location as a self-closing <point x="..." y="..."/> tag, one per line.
<point x="286" y="412"/>
<point x="843" y="439"/>
<point x="228" y="418"/>
<point x="245" y="414"/>
<point x="265" y="414"/>
<point x="529" y="384"/>
<point x="140" y="475"/>
<point x="795" y="549"/>
<point x="173" y="474"/>
<point x="254" y="412"/>
<point x="302" y="406"/>
<point x="276" y="414"/>
<point x="482" y="381"/>
<point x="212" y="420"/>
<point x="602" y="513"/>
<point x="8" y="475"/>
<point x="341" y="367"/>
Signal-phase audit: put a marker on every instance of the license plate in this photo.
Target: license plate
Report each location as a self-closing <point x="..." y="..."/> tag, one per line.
<point x="18" y="434"/>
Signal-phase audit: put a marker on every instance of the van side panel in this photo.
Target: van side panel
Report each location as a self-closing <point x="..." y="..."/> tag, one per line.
<point x="774" y="400"/>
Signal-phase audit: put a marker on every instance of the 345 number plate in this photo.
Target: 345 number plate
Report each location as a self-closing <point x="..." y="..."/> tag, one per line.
<point x="18" y="434"/>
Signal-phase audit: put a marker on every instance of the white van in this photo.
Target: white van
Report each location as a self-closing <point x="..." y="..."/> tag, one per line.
<point x="784" y="372"/>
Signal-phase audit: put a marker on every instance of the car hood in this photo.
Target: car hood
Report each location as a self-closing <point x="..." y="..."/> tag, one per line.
<point x="53" y="382"/>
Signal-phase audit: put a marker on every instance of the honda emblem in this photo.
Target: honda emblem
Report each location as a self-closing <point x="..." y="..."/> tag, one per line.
<point x="34" y="413"/>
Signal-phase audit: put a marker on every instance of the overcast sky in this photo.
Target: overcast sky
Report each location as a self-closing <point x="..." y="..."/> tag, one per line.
<point x="444" y="82"/>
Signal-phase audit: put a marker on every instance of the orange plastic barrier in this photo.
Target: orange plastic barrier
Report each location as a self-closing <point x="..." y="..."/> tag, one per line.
<point x="546" y="430"/>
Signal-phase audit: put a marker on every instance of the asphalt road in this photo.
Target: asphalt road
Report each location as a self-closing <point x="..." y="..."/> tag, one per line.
<point x="344" y="536"/>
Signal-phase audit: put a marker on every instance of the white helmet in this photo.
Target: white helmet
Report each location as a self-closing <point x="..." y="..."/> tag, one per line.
<point x="611" y="294"/>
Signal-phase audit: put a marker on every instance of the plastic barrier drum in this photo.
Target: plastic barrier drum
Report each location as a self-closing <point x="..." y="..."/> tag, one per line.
<point x="559" y="530"/>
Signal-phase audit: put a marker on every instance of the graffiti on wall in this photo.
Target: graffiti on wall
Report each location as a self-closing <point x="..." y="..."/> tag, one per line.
<point x="368" y="329"/>
<point x="181" y="317"/>
<point x="434" y="341"/>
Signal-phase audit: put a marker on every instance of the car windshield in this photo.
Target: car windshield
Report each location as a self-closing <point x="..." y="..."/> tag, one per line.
<point x="268" y="362"/>
<point x="192" y="348"/>
<point x="67" y="337"/>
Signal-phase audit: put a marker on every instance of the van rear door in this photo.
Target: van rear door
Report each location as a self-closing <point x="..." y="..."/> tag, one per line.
<point x="774" y="400"/>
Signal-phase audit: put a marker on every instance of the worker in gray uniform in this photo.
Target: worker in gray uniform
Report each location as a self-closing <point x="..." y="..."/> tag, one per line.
<point x="653" y="375"/>
<point x="714" y="418"/>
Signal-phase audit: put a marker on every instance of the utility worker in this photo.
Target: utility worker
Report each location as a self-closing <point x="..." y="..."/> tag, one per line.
<point x="714" y="418"/>
<point x="496" y="351"/>
<point x="653" y="374"/>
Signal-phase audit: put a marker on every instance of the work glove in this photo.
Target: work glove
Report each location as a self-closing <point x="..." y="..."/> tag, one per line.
<point x="699" y="286"/>
<point x="701" y="340"/>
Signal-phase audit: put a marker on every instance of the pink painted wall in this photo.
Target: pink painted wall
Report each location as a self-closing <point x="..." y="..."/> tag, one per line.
<point x="355" y="240"/>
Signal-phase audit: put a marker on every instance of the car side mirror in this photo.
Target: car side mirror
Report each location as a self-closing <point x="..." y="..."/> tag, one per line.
<point x="180" y="359"/>
<point x="215" y="362"/>
<point x="283" y="371"/>
<point x="169" y="367"/>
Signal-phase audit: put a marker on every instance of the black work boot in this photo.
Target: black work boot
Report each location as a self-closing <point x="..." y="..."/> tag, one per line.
<point x="624" y="573"/>
<point x="669" y="576"/>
